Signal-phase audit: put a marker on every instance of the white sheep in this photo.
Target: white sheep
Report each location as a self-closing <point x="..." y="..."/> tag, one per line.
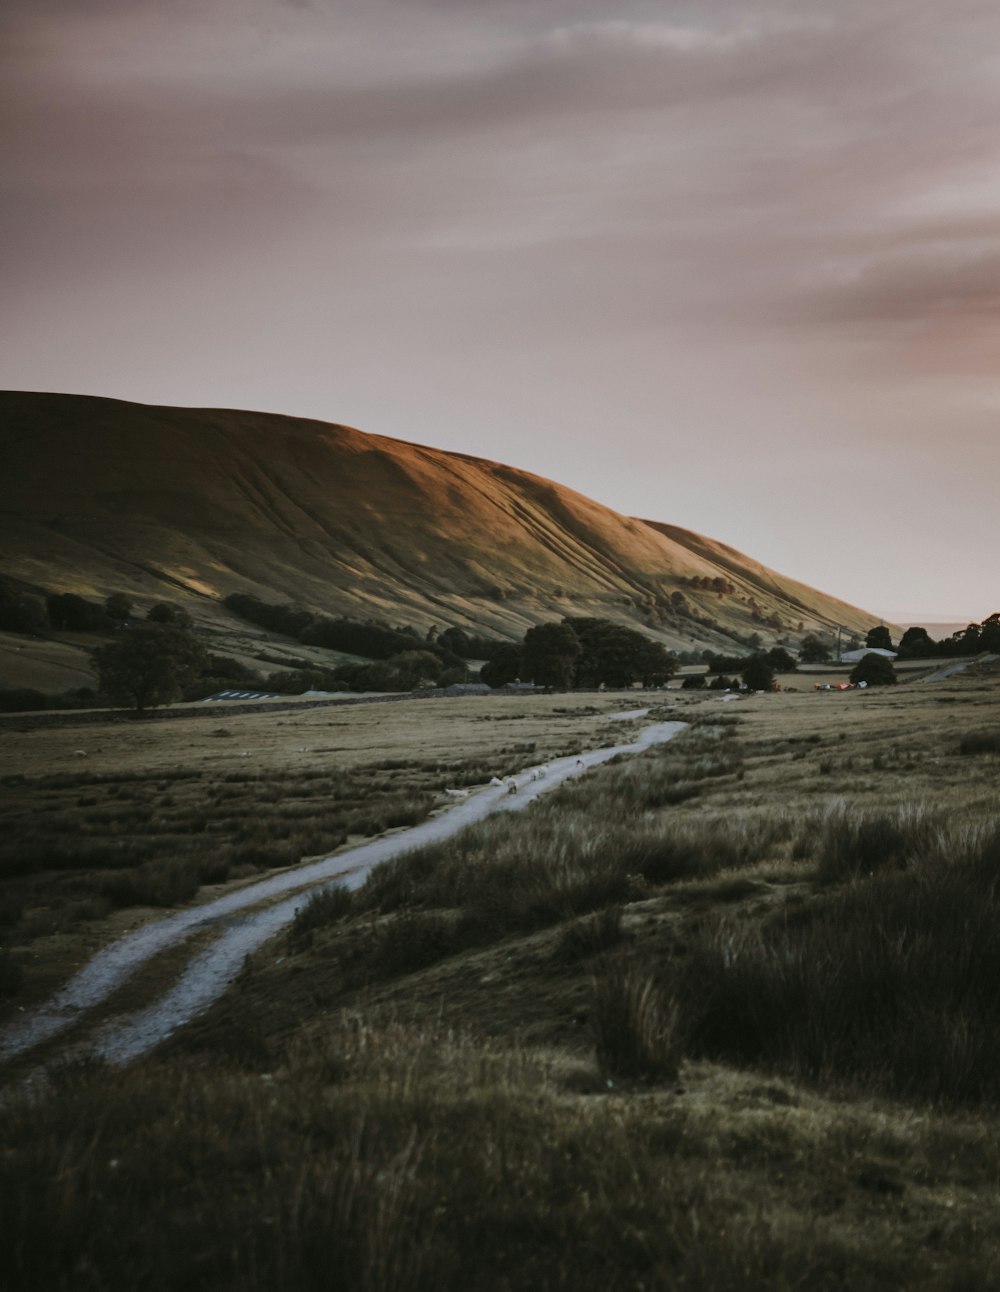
<point x="79" y="753"/>
<point x="511" y="785"/>
<point x="457" y="794"/>
<point x="245" y="753"/>
<point x="495" y="780"/>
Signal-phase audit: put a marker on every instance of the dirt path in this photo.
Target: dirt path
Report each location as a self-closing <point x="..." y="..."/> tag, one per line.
<point x="247" y="918"/>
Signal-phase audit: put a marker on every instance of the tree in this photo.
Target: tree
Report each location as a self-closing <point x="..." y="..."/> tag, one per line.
<point x="20" y="613"/>
<point x="693" y="682"/>
<point x="549" y="654"/>
<point x="758" y="674"/>
<point x="412" y="669"/>
<point x="916" y="643"/>
<point x="166" y="613"/>
<point x="780" y="660"/>
<point x="71" y="613"/>
<point x="118" y="607"/>
<point x="617" y="656"/>
<point x="878" y="638"/>
<point x="874" y="670"/>
<point x="504" y="667"/>
<point x="151" y="664"/>
<point x="813" y="651"/>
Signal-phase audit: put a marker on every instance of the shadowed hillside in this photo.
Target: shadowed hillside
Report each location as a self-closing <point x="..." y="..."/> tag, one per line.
<point x="99" y="496"/>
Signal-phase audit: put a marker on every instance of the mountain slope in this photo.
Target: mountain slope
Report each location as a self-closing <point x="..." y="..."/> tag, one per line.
<point x="99" y="495"/>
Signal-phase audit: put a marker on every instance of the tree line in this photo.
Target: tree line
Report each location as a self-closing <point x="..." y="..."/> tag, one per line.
<point x="581" y="652"/>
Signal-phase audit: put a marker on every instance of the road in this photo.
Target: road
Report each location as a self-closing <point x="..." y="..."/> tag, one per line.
<point x="245" y="919"/>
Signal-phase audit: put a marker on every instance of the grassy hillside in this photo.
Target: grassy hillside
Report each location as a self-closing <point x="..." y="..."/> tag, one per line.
<point x="101" y="496"/>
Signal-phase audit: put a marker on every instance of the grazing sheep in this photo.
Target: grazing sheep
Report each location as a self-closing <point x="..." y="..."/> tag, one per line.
<point x="245" y="753"/>
<point x="79" y="753"/>
<point x="457" y="794"/>
<point x="511" y="786"/>
<point x="495" y="780"/>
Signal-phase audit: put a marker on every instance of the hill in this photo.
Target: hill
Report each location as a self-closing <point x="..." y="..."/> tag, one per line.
<point x="101" y="496"/>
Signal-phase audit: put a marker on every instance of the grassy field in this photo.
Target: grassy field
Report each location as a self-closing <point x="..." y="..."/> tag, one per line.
<point x="719" y="1016"/>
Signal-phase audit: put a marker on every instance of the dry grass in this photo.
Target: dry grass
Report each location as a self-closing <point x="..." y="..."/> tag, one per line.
<point x="158" y="810"/>
<point x="388" y="1100"/>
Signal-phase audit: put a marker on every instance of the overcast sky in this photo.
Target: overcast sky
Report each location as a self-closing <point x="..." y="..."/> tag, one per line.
<point x="731" y="264"/>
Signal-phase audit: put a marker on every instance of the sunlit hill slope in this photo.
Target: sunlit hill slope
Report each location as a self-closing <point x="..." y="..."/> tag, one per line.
<point x="99" y="496"/>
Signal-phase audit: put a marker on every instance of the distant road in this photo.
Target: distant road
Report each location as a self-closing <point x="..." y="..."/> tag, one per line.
<point x="942" y="673"/>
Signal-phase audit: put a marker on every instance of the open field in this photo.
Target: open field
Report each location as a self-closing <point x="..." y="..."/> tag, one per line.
<point x="721" y="1015"/>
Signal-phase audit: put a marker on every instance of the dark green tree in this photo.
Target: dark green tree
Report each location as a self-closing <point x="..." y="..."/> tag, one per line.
<point x="916" y="643"/>
<point x="412" y="669"/>
<point x="20" y="612"/>
<point x="70" y="613"/>
<point x="618" y="656"/>
<point x="164" y="612"/>
<point x="504" y="666"/>
<point x="813" y="651"/>
<point x="549" y="655"/>
<point x="879" y="638"/>
<point x="118" y="607"/>
<point x="149" y="665"/>
<point x="780" y="660"/>
<point x="874" y="670"/>
<point x="758" y="674"/>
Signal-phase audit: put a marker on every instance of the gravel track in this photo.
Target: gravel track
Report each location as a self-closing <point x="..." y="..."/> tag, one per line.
<point x="242" y="928"/>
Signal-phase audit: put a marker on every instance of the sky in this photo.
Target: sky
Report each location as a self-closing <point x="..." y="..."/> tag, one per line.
<point x="730" y="264"/>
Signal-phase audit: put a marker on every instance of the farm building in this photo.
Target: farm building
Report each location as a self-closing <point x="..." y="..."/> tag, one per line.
<point x="852" y="656"/>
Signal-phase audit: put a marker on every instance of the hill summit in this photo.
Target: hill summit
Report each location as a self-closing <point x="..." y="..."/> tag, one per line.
<point x="101" y="496"/>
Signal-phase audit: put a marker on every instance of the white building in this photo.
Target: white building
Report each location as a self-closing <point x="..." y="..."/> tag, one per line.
<point x="852" y="656"/>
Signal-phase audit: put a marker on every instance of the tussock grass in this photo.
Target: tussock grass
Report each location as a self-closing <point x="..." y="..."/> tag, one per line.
<point x="635" y="1025"/>
<point x="892" y="982"/>
<point x="850" y="841"/>
<point x="593" y="935"/>
<point x="376" y="1156"/>
<point x="579" y="851"/>
<point x="980" y="742"/>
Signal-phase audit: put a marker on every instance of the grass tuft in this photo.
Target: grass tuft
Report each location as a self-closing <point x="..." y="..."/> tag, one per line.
<point x="635" y="1025"/>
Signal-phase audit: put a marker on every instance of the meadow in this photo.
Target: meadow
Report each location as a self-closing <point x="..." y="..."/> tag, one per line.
<point x="720" y="1015"/>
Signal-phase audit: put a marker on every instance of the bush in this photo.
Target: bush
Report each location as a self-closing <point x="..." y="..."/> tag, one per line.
<point x="874" y="670"/>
